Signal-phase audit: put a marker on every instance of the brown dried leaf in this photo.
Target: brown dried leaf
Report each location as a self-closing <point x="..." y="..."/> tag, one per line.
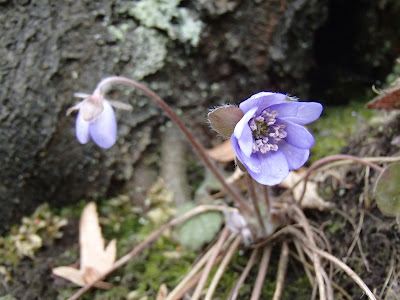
<point x="223" y="152"/>
<point x="71" y="274"/>
<point x="94" y="259"/>
<point x="311" y="199"/>
<point x="91" y="242"/>
<point x="388" y="99"/>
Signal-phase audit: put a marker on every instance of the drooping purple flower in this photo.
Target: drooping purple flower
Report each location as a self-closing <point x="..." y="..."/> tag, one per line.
<point x="96" y="119"/>
<point x="269" y="139"/>
<point x="102" y="129"/>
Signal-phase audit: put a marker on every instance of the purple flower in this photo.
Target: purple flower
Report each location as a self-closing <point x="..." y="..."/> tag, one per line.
<point x="102" y="129"/>
<point x="269" y="139"/>
<point x="96" y="119"/>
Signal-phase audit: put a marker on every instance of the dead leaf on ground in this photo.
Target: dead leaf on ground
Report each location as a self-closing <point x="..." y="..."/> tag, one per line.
<point x="387" y="99"/>
<point x="162" y="292"/>
<point x="223" y="152"/>
<point x="311" y="199"/>
<point x="94" y="258"/>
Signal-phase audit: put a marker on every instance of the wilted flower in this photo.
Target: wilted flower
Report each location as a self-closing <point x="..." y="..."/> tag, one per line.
<point x="96" y="119"/>
<point x="268" y="137"/>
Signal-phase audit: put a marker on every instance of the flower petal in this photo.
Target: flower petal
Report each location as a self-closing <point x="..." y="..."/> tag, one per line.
<point x="274" y="168"/>
<point x="262" y="100"/>
<point x="298" y="112"/>
<point x="295" y="157"/>
<point x="244" y="123"/>
<point x="82" y="129"/>
<point x="251" y="163"/>
<point x="298" y="136"/>
<point x="103" y="129"/>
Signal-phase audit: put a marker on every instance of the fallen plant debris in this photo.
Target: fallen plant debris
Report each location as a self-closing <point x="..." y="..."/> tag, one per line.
<point x="94" y="258"/>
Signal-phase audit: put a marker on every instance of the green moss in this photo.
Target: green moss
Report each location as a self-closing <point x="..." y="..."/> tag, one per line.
<point x="40" y="229"/>
<point x="335" y="126"/>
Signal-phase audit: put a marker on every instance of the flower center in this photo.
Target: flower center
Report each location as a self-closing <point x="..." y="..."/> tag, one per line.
<point x="266" y="133"/>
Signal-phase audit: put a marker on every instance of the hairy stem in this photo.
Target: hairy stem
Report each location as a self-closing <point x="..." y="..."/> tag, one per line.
<point x="192" y="140"/>
<point x="256" y="207"/>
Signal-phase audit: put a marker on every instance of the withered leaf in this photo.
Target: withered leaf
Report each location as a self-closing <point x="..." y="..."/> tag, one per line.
<point x="388" y="99"/>
<point x="311" y="199"/>
<point x="223" y="152"/>
<point x="94" y="258"/>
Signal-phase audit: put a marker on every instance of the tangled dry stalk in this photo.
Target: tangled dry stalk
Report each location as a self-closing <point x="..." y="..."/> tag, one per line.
<point x="311" y="250"/>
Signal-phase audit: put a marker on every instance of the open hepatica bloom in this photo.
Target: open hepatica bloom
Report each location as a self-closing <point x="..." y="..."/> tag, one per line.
<point x="267" y="135"/>
<point x="96" y="119"/>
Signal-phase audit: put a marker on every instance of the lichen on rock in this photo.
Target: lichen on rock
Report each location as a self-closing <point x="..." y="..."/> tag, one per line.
<point x="149" y="50"/>
<point x="179" y="23"/>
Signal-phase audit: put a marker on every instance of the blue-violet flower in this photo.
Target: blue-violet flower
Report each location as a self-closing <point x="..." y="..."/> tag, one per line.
<point x="96" y="119"/>
<point x="269" y="139"/>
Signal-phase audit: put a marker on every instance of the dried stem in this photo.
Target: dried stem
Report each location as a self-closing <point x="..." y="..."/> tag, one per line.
<point x="227" y="258"/>
<point x="373" y="159"/>
<point x="307" y="266"/>
<point x="328" y="159"/>
<point x="357" y="230"/>
<point x="329" y="290"/>
<point x="207" y="269"/>
<point x="306" y="244"/>
<point x="178" y="293"/>
<point x="151" y="238"/>
<point x="353" y="275"/>
<point x="254" y="200"/>
<point x="185" y="288"/>
<point x="282" y="267"/>
<point x="192" y="140"/>
<point x="255" y="295"/>
<point x="194" y="272"/>
<point x="387" y="280"/>
<point x="266" y="199"/>
<point x="317" y="264"/>
<point x="327" y="282"/>
<point x="235" y="291"/>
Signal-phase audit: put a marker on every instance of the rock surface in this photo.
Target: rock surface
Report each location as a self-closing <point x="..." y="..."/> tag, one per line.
<point x="194" y="54"/>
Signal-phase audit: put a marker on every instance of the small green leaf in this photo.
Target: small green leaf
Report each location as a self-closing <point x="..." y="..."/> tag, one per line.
<point x="224" y="119"/>
<point x="199" y="229"/>
<point x="387" y="190"/>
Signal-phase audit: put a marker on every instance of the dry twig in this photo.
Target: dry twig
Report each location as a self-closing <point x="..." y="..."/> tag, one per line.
<point x="235" y="291"/>
<point x="255" y="295"/>
<point x="282" y="267"/>
<point x="227" y="258"/>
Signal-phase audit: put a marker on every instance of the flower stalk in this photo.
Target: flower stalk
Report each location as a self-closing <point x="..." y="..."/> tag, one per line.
<point x="105" y="83"/>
